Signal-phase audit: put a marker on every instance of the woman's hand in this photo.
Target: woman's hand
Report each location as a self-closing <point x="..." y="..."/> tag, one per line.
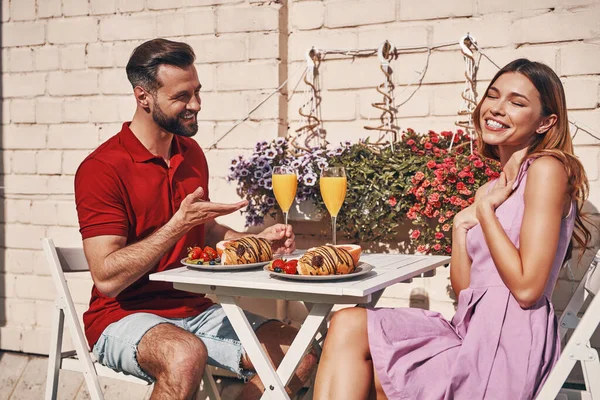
<point x="467" y="218"/>
<point x="495" y="197"/>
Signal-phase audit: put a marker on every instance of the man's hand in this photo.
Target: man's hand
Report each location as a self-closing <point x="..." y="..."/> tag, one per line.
<point x="194" y="210"/>
<point x="282" y="238"/>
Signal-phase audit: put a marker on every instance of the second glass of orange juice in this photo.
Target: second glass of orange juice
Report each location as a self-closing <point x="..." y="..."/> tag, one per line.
<point x="333" y="184"/>
<point x="285" y="183"/>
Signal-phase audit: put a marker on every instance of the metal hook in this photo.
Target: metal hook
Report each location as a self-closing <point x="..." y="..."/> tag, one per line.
<point x="465" y="44"/>
<point x="385" y="53"/>
<point x="312" y="57"/>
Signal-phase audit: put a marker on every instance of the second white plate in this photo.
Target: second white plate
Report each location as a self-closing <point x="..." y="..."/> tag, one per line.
<point x="219" y="267"/>
<point x="360" y="270"/>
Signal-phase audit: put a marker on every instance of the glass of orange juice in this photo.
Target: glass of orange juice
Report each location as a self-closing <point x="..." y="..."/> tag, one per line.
<point x="285" y="183"/>
<point x="333" y="184"/>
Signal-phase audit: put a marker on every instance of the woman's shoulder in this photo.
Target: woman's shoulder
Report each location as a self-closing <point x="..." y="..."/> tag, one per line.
<point x="547" y="168"/>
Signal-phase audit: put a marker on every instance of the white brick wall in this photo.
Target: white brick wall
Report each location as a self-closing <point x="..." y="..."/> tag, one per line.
<point x="65" y="91"/>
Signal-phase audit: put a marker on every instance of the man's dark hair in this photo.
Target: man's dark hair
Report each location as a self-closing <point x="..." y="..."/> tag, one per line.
<point x="143" y="64"/>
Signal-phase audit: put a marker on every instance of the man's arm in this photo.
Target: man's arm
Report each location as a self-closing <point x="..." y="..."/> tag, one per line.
<point x="115" y="266"/>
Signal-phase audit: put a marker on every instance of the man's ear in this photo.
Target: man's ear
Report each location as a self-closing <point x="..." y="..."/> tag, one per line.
<point x="546" y="124"/>
<point x="142" y="97"/>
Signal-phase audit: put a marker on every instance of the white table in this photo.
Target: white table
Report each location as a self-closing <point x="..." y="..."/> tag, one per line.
<point x="320" y="297"/>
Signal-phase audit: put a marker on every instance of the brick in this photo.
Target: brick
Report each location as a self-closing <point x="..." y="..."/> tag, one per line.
<point x="72" y="57"/>
<point x="587" y="119"/>
<point x="23" y="33"/>
<point x="67" y="214"/>
<point x="206" y="74"/>
<point x="9" y="285"/>
<point x="48" y="110"/>
<point x="49" y="8"/>
<point x="77" y="110"/>
<point x="99" y="55"/>
<point x="46" y="58"/>
<point x="75" y="7"/>
<point x="447" y="99"/>
<point x="399" y="36"/>
<point x="416" y="104"/>
<point x="308" y="15"/>
<point x="127" y="106"/>
<point x="170" y="24"/>
<point x="72" y="30"/>
<point x="590" y="158"/>
<point x="220" y="49"/>
<point x="206" y="134"/>
<point x="72" y="83"/>
<point x="5" y="166"/>
<point x="430" y="123"/>
<point x="48" y="162"/>
<point x="580" y="59"/>
<point x="581" y="93"/>
<point x="5" y="60"/>
<point x="127" y="27"/>
<point x="583" y="24"/>
<point x="340" y="74"/>
<point x="163" y="5"/>
<point x="220" y="160"/>
<point x="515" y="6"/>
<point x="80" y="289"/>
<point x="268" y="110"/>
<point x="547" y="54"/>
<point x="199" y="22"/>
<point x="65" y="236"/>
<point x="100" y="7"/>
<point x="11" y="338"/>
<point x="130" y="5"/>
<point x="22" y="10"/>
<point x="44" y="212"/>
<point x="242" y="137"/>
<point x="21" y="60"/>
<point x="18" y="261"/>
<point x="20" y="236"/>
<point x="444" y="67"/>
<point x="23" y="85"/>
<point x="247" y="19"/>
<point x="122" y="51"/>
<point x="106" y="131"/>
<point x="301" y="42"/>
<point x="263" y="46"/>
<point x="234" y="76"/>
<point x="35" y="288"/>
<point x="60" y="185"/>
<point x="40" y="264"/>
<point x="114" y="81"/>
<point x="576" y="3"/>
<point x="195" y="3"/>
<point x="22" y="111"/>
<point x="105" y="109"/>
<point x="24" y="137"/>
<point x="21" y="312"/>
<point x="72" y="136"/>
<point x="71" y="159"/>
<point x="23" y="162"/>
<point x="17" y="211"/>
<point x="488" y="30"/>
<point x="213" y="110"/>
<point x="339" y="106"/>
<point x="25" y="184"/>
<point x="5" y="14"/>
<point x="359" y="12"/>
<point x="433" y="9"/>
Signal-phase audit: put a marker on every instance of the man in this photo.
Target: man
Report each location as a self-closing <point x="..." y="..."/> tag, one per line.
<point x="142" y="200"/>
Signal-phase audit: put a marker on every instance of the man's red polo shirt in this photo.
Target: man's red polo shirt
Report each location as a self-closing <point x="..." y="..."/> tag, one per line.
<point x="122" y="189"/>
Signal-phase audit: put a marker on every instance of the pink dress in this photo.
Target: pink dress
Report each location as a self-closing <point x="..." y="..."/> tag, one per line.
<point x="491" y="349"/>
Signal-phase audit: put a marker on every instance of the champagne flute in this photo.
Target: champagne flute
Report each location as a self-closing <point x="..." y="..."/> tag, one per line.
<point x="333" y="184"/>
<point x="285" y="183"/>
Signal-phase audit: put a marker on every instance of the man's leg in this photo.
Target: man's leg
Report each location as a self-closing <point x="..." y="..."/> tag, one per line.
<point x="277" y="338"/>
<point x="175" y="358"/>
<point x="155" y="349"/>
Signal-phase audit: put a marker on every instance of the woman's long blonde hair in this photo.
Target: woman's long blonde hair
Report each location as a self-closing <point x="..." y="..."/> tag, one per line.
<point x="556" y="142"/>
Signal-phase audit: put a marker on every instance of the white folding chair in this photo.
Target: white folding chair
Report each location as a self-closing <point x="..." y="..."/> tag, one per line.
<point x="66" y="260"/>
<point x="578" y="347"/>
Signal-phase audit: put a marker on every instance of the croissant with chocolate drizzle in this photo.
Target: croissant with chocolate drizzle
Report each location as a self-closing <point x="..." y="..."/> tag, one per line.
<point x="326" y="260"/>
<point x="246" y="250"/>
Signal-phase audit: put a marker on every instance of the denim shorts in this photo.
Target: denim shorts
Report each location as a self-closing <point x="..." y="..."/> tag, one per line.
<point x="117" y="346"/>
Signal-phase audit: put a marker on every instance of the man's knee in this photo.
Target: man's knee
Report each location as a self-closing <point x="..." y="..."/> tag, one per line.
<point x="169" y="351"/>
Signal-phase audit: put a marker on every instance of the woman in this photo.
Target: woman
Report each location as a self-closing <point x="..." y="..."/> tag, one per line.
<point x="507" y="251"/>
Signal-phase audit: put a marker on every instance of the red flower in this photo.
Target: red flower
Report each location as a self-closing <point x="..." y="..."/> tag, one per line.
<point x="448" y="249"/>
<point x="435" y="139"/>
<point x="422" y="249"/>
<point x="478" y="163"/>
<point x="460" y="186"/>
<point x="439" y="235"/>
<point x="411" y="214"/>
<point x="445" y="227"/>
<point x="434" y="197"/>
<point x="428" y="145"/>
<point x="431" y="164"/>
<point x="419" y="176"/>
<point x="410" y="142"/>
<point x="437" y="246"/>
<point x="426" y="183"/>
<point x="441" y="188"/>
<point x="415" y="234"/>
<point x="392" y="200"/>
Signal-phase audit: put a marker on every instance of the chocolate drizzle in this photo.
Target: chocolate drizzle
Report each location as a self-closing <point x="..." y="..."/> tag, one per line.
<point x="326" y="260"/>
<point x="248" y="250"/>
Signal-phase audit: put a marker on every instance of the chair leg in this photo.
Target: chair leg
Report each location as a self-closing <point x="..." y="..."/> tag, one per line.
<point x="54" y="355"/>
<point x="209" y="386"/>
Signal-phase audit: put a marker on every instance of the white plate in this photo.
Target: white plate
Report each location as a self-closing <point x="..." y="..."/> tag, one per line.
<point x="361" y="269"/>
<point x="219" y="267"/>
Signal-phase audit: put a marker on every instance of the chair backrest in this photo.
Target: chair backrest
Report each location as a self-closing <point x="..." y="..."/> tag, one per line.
<point x="592" y="284"/>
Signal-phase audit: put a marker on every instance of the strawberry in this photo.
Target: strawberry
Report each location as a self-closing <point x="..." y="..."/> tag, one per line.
<point x="204" y="256"/>
<point x="279" y="263"/>
<point x="194" y="253"/>
<point x="290" y="267"/>
<point x="212" y="253"/>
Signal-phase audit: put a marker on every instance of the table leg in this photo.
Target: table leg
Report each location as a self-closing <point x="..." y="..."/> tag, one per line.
<point x="274" y="389"/>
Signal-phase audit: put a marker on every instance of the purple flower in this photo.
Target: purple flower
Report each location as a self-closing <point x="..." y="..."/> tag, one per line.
<point x="270" y="154"/>
<point x="244" y="172"/>
<point x="235" y="162"/>
<point x="261" y="162"/>
<point x="258" y="174"/>
<point x="279" y="141"/>
<point x="267" y="169"/>
<point x="296" y="163"/>
<point x="270" y="201"/>
<point x="322" y="164"/>
<point x="310" y="179"/>
<point x="332" y="153"/>
<point x="268" y="184"/>
<point x="264" y="145"/>
<point x="338" y="151"/>
<point x="346" y="143"/>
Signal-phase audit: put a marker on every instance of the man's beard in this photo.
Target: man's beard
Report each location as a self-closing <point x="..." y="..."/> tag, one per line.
<point x="173" y="125"/>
